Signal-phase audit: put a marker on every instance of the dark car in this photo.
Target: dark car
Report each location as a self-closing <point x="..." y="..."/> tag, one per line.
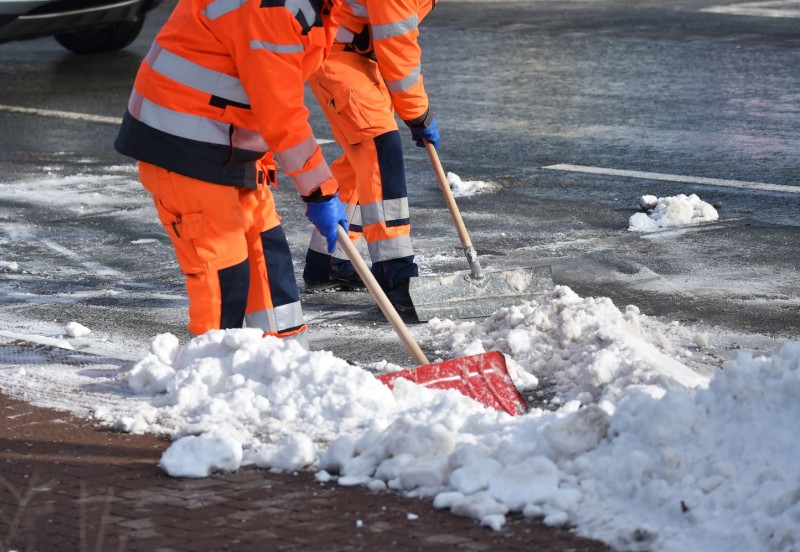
<point x="82" y="26"/>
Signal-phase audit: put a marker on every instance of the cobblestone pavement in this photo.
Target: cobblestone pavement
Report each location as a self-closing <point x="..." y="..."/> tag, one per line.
<point x="67" y="485"/>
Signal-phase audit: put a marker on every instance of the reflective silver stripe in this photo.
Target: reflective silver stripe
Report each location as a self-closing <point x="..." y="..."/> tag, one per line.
<point x="358" y="9"/>
<point x="277" y="48"/>
<point x="295" y="158"/>
<point x="277" y="319"/>
<point x="319" y="244"/>
<point x="353" y="213"/>
<point x="196" y="76"/>
<point x="193" y="127"/>
<point x="397" y="28"/>
<point x="388" y="209"/>
<point x="308" y="181"/>
<point x="393" y="248"/>
<point x="184" y="125"/>
<point x="245" y="138"/>
<point x="221" y="7"/>
<point x="405" y="83"/>
<point x="302" y="6"/>
<point x="344" y="36"/>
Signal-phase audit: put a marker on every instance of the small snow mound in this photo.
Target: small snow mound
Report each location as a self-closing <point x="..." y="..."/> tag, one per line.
<point x="663" y="212"/>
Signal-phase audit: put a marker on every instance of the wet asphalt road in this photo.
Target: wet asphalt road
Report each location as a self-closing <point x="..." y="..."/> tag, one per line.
<point x="516" y="87"/>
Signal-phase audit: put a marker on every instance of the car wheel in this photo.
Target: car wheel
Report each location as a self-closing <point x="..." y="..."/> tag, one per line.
<point x="108" y="38"/>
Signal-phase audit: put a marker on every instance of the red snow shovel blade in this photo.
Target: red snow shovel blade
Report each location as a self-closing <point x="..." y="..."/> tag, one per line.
<point x="483" y="378"/>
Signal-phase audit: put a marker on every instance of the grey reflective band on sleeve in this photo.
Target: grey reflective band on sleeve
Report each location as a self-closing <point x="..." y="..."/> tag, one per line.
<point x="295" y="158"/>
<point x="276" y="48"/>
<point x="405" y="83"/>
<point x="196" y="76"/>
<point x="344" y="36"/>
<point x="218" y="8"/>
<point x="308" y="181"/>
<point x="397" y="28"/>
<point x="358" y="9"/>
<point x="304" y="7"/>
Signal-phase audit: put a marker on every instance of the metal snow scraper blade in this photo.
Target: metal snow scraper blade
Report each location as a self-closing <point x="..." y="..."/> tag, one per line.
<point x="479" y="293"/>
<point x="482" y="377"/>
<point x="461" y="295"/>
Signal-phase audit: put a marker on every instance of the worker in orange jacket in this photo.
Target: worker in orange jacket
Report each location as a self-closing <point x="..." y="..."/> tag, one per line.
<point x="373" y="72"/>
<point x="220" y="91"/>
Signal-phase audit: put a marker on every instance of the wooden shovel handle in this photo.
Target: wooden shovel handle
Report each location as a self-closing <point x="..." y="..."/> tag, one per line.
<point x="448" y="196"/>
<point x="380" y="298"/>
<point x="466" y="243"/>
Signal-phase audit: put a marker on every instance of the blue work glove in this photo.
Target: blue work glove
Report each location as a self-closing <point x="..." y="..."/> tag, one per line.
<point x="431" y="134"/>
<point x="326" y="214"/>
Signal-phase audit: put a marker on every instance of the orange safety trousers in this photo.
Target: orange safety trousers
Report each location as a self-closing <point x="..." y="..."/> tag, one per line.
<point x="357" y="105"/>
<point x="370" y="172"/>
<point x="218" y="233"/>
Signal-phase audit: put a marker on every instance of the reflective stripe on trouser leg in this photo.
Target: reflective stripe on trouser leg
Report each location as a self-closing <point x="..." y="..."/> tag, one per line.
<point x="274" y="300"/>
<point x="205" y="224"/>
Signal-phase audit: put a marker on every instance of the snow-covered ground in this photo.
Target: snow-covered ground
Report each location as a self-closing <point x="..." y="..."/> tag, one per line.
<point x="637" y="436"/>
<point x="627" y="442"/>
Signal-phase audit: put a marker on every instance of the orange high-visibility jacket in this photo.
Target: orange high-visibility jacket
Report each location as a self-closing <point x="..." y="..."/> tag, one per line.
<point x="223" y="83"/>
<point x="392" y="26"/>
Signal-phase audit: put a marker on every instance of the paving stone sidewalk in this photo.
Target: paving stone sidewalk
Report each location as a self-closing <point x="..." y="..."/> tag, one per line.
<point x="67" y="485"/>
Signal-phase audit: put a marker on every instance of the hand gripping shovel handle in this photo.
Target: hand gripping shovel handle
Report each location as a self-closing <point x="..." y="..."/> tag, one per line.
<point x="380" y="297"/>
<point x="466" y="243"/>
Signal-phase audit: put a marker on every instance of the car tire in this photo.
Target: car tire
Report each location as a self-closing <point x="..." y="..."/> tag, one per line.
<point x="108" y="38"/>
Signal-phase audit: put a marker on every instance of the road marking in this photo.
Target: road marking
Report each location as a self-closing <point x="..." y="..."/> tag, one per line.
<point x="778" y="8"/>
<point x="61" y="114"/>
<point x="95" y="267"/>
<point x="678" y="178"/>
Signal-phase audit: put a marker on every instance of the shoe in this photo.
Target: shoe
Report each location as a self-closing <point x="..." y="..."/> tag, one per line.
<point x="400" y="298"/>
<point x="351" y="282"/>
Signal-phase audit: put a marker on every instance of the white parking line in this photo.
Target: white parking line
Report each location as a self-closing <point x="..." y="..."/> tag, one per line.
<point x="777" y="8"/>
<point x="61" y="114"/>
<point x="678" y="178"/>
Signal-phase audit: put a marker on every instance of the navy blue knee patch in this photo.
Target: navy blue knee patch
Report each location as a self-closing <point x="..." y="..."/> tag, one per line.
<point x="390" y="162"/>
<point x="234" y="284"/>
<point x="282" y="283"/>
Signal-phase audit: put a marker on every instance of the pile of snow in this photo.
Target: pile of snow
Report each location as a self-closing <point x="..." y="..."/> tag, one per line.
<point x="9" y="266"/>
<point x="76" y="329"/>
<point x="463" y="188"/>
<point x="662" y="212"/>
<point x="627" y="444"/>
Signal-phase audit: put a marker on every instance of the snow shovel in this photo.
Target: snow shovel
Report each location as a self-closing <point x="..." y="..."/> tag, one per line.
<point x="478" y="293"/>
<point x="483" y="377"/>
